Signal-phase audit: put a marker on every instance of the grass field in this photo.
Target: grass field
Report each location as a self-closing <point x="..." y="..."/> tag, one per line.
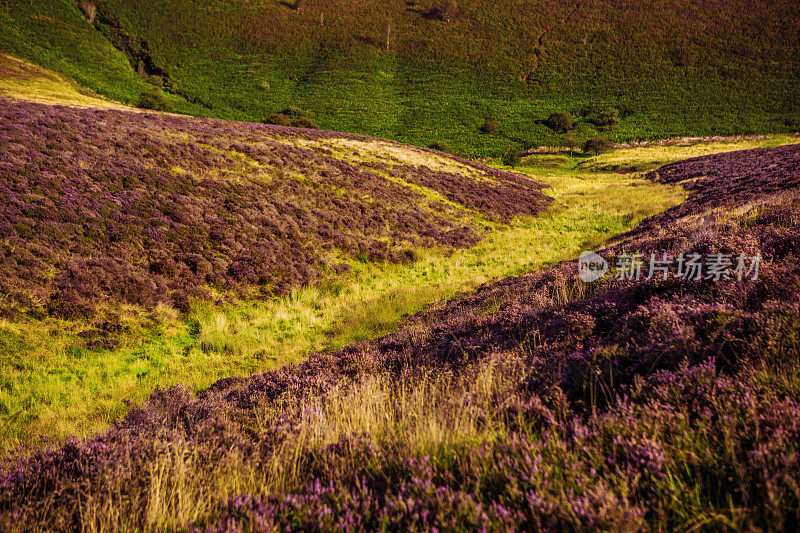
<point x="52" y="389"/>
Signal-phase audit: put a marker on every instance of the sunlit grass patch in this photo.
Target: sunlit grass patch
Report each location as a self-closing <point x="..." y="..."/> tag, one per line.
<point x="650" y="157"/>
<point x="24" y="80"/>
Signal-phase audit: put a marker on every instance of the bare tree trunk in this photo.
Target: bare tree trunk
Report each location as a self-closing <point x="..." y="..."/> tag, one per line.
<point x="388" y="34"/>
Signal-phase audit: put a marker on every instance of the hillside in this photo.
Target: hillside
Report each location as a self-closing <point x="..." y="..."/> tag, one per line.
<point x="425" y="72"/>
<point x="113" y="207"/>
<point x="538" y="401"/>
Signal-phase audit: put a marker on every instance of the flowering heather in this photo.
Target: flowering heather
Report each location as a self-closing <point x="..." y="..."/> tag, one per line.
<point x="536" y="403"/>
<point x="146" y="208"/>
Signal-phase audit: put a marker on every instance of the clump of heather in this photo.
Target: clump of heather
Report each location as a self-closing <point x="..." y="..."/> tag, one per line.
<point x="538" y="402"/>
<point x="143" y="208"/>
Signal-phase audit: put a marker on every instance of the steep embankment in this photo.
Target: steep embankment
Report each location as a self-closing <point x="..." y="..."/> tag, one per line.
<point x="104" y="206"/>
<point x="423" y="72"/>
<point x="537" y="402"/>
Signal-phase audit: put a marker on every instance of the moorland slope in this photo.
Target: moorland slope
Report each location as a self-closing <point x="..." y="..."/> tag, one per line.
<point x="110" y="207"/>
<point x="436" y="71"/>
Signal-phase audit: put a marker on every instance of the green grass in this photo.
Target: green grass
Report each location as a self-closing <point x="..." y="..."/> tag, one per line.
<point x="56" y="36"/>
<point x="438" y="80"/>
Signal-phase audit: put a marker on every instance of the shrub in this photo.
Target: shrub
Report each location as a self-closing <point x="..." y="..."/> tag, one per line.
<point x="490" y="127"/>
<point x="277" y="119"/>
<point x="442" y="146"/>
<point x="153" y="98"/>
<point x="597" y="145"/>
<point x="512" y="156"/>
<point x="560" y="122"/>
<point x="305" y="122"/>
<point x="445" y="10"/>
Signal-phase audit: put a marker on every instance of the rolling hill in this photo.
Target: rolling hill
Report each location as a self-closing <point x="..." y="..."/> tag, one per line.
<point x="112" y="207"/>
<point x="219" y="314"/>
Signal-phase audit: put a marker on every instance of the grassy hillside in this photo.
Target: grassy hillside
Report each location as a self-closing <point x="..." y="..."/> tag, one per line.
<point x="678" y="67"/>
<point x="537" y="402"/>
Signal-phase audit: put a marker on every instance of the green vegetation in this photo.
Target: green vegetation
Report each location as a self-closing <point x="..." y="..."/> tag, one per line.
<point x="512" y="157"/>
<point x="560" y="122"/>
<point x="153" y="98"/>
<point x="55" y="35"/>
<point x="596" y="145"/>
<point x="431" y="72"/>
<point x="53" y="388"/>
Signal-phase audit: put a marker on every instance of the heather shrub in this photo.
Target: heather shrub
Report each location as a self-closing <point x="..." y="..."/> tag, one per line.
<point x="560" y="122"/>
<point x="596" y="145"/>
<point x="537" y="402"/>
<point x="305" y="122"/>
<point x="142" y="215"/>
<point x="278" y="119"/>
<point x="153" y="98"/>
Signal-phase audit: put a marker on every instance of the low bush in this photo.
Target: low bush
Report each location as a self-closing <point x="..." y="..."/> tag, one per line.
<point x="605" y="118"/>
<point x="154" y="98"/>
<point x="305" y="122"/>
<point x="445" y="10"/>
<point x="278" y="119"/>
<point x="490" y="127"/>
<point x="596" y="145"/>
<point x="560" y="122"/>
